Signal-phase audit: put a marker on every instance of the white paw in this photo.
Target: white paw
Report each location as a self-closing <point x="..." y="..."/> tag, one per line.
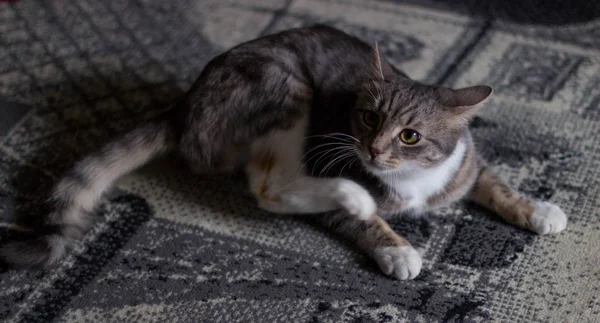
<point x="548" y="218"/>
<point x="401" y="262"/>
<point x="355" y="200"/>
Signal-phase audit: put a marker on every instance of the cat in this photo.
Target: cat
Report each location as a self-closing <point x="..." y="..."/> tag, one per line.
<point x="270" y="107"/>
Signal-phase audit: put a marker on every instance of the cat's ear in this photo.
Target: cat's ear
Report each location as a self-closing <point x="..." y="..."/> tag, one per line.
<point x="381" y="69"/>
<point x="465" y="101"/>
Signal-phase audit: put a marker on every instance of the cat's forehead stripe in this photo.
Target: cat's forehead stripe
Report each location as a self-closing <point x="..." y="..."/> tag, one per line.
<point x="410" y="119"/>
<point x="391" y="108"/>
<point x="395" y="97"/>
<point x="408" y="109"/>
<point x="387" y="105"/>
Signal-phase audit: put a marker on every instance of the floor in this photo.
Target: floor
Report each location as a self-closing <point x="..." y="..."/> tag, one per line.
<point x="173" y="247"/>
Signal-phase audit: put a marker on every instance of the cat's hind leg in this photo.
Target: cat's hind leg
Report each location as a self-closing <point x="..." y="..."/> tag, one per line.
<point x="537" y="216"/>
<point x="230" y="159"/>
<point x="277" y="179"/>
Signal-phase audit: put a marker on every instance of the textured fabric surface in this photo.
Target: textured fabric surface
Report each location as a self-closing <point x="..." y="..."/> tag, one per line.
<point x="173" y="247"/>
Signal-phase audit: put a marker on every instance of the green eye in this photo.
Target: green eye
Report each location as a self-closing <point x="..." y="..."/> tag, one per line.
<point x="370" y="118"/>
<point x="409" y="136"/>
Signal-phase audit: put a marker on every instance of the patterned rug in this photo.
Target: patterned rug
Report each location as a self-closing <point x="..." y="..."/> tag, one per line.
<point x="172" y="247"/>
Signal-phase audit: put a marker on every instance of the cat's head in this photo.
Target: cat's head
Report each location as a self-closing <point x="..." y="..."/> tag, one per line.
<point x="404" y="125"/>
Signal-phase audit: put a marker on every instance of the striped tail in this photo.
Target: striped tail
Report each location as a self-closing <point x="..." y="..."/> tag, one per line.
<point x="77" y="194"/>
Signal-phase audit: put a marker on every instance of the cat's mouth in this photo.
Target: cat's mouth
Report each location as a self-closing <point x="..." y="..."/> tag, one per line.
<point x="377" y="166"/>
<point x="372" y="165"/>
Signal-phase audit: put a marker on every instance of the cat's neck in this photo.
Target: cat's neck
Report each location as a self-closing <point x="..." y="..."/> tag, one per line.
<point x="415" y="185"/>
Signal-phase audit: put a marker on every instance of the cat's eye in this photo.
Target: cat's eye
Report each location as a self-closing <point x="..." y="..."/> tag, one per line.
<point x="370" y="118"/>
<point x="409" y="136"/>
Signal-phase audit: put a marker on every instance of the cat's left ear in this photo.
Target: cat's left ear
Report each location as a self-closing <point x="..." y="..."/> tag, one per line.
<point x="465" y="101"/>
<point x="381" y="69"/>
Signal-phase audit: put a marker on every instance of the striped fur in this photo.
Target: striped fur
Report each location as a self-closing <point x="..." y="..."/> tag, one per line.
<point x="76" y="195"/>
<point x="253" y="108"/>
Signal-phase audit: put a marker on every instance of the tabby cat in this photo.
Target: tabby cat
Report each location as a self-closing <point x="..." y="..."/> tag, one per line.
<point x="285" y="108"/>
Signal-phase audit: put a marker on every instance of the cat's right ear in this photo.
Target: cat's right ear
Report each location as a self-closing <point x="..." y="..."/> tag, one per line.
<point x="464" y="102"/>
<point x="381" y="69"/>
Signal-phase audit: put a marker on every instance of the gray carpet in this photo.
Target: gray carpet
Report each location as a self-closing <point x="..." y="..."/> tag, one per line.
<point x="172" y="247"/>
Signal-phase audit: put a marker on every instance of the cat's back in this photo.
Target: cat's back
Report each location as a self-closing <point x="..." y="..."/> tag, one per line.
<point x="319" y="52"/>
<point x="315" y="39"/>
<point x="320" y="57"/>
<point x="266" y="83"/>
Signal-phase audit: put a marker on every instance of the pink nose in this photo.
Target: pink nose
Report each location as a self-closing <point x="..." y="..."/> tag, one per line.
<point x="374" y="152"/>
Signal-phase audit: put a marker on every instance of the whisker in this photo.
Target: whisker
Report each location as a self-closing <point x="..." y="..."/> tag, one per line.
<point x="328" y="151"/>
<point x="330" y="135"/>
<point x="343" y="134"/>
<point x="335" y="161"/>
<point x="347" y="140"/>
<point x="368" y="88"/>
<point x="338" y="140"/>
<point x="323" y="145"/>
<point x="344" y="148"/>
<point x="335" y="151"/>
<point x="371" y="93"/>
<point x="333" y="136"/>
<point x="334" y="155"/>
<point x="328" y="164"/>
<point x="348" y="164"/>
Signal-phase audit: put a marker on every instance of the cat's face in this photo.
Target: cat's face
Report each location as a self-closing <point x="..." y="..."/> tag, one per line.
<point x="403" y="125"/>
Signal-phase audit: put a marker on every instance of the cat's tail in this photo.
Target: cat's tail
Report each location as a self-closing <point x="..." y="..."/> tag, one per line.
<point x="77" y="194"/>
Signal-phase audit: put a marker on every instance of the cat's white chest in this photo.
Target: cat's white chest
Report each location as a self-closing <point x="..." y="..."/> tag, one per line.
<point x="415" y="192"/>
<point x="417" y="186"/>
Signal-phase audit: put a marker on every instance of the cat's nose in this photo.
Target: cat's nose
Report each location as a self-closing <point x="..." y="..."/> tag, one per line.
<point x="374" y="152"/>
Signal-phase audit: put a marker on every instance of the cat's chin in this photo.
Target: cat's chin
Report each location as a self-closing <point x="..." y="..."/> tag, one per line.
<point x="377" y="168"/>
<point x="379" y="171"/>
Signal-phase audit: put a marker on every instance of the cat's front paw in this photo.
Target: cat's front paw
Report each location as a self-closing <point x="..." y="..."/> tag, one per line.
<point x="355" y="200"/>
<point x="401" y="262"/>
<point x="548" y="218"/>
